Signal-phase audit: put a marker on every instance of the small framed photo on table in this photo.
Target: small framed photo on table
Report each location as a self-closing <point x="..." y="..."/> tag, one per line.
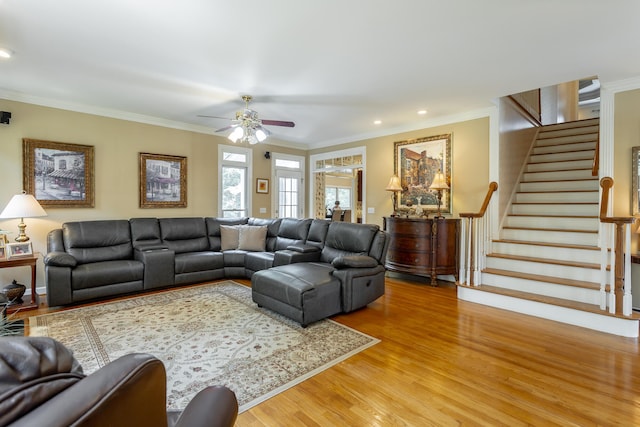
<point x="17" y="250"/>
<point x="262" y="185"/>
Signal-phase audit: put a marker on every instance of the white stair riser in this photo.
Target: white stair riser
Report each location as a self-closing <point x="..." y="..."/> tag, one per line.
<point x="588" y="296"/>
<point x="550" y="252"/>
<point x="589" y="239"/>
<point x="568" y="197"/>
<point x="583" y="184"/>
<point x="559" y="166"/>
<point x="553" y="270"/>
<point x="573" y="125"/>
<point x="587" y="137"/>
<point x="559" y="157"/>
<point x="561" y="148"/>
<point x="554" y="223"/>
<point x="556" y="209"/>
<point x="557" y="176"/>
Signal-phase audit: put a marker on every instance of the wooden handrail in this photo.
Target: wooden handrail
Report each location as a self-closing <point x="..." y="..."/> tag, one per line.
<point x="469" y="242"/>
<point x="493" y="186"/>
<point x="619" y="250"/>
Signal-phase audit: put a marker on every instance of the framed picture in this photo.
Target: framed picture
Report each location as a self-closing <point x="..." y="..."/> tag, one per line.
<point x="416" y="162"/>
<point x="262" y="185"/>
<point x="58" y="174"/>
<point x="163" y="181"/>
<point x="17" y="250"/>
<point x="3" y="253"/>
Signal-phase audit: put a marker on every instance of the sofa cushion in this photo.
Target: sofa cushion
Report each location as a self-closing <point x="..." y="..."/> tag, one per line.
<point x="106" y="273"/>
<point x="198" y="261"/>
<point x="344" y="238"/>
<point x="213" y="229"/>
<point x="252" y="238"/>
<point x="94" y="241"/>
<point x="229" y="237"/>
<point x="184" y="234"/>
<point x="292" y="231"/>
<point x="145" y="231"/>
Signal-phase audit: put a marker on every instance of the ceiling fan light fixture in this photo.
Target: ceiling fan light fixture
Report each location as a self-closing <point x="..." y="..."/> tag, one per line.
<point x="261" y="134"/>
<point x="236" y="135"/>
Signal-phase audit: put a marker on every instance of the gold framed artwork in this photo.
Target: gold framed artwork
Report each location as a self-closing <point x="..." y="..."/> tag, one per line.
<point x="416" y="162"/>
<point x="163" y="181"/>
<point x="262" y="185"/>
<point x="58" y="174"/>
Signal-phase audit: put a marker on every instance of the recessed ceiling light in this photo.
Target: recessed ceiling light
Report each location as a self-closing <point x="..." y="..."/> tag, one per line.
<point x="5" y="53"/>
<point x="422" y="112"/>
<point x="377" y="122"/>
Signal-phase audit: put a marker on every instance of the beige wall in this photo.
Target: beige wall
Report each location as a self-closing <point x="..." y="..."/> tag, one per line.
<point x="627" y="136"/>
<point x="469" y="164"/>
<point x="116" y="144"/>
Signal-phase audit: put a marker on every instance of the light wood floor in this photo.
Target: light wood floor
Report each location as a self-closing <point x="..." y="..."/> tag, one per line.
<point x="448" y="362"/>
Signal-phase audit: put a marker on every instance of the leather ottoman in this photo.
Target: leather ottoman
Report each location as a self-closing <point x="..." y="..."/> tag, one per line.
<point x="305" y="292"/>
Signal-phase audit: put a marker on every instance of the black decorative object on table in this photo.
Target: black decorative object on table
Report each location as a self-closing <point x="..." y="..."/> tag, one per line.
<point x="14" y="292"/>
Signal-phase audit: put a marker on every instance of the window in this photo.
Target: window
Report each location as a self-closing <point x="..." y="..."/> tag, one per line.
<point x="234" y="195"/>
<point x="341" y="194"/>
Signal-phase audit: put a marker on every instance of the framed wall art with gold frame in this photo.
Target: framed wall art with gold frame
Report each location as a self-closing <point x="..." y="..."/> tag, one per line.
<point x="163" y="181"/>
<point x="58" y="174"/>
<point x="416" y="162"/>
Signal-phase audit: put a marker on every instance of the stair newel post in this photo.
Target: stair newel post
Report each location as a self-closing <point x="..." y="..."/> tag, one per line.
<point x="627" y="303"/>
<point x="476" y="237"/>
<point x="462" y="274"/>
<point x="622" y="248"/>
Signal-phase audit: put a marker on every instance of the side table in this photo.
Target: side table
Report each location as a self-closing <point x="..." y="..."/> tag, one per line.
<point x="26" y="261"/>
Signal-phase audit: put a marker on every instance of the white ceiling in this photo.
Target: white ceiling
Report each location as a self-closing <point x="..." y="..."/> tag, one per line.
<point x="331" y="66"/>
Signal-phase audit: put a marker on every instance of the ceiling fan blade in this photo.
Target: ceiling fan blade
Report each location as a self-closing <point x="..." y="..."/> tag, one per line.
<point x="214" y="117"/>
<point x="226" y="128"/>
<point x="277" y="123"/>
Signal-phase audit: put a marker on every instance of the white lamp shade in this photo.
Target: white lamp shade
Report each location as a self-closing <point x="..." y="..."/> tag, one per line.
<point x="23" y="206"/>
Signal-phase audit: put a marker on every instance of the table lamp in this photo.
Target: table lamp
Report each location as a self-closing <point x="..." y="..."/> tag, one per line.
<point x="22" y="206"/>
<point x="395" y="187"/>
<point x="439" y="184"/>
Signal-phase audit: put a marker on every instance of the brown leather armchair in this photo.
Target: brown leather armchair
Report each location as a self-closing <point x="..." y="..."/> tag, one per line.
<point x="42" y="384"/>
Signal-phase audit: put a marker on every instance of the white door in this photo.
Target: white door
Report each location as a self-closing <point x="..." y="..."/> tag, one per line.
<point x="288" y="190"/>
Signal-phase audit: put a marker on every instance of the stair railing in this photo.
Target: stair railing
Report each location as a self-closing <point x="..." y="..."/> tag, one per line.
<point x="619" y="297"/>
<point x="474" y="240"/>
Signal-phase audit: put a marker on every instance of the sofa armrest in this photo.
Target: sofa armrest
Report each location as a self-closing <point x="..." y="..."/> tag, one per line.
<point x="58" y="282"/>
<point x="211" y="407"/>
<point x="289" y="256"/>
<point x="149" y="246"/>
<point x="60" y="259"/>
<point x="303" y="248"/>
<point x="128" y="391"/>
<point x="159" y="265"/>
<point x="354" y="261"/>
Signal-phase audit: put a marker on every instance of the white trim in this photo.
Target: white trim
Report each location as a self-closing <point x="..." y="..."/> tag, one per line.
<point x="334" y="154"/>
<point x="248" y="164"/>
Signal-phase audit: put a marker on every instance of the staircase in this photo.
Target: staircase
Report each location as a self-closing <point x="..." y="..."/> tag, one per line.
<point x="546" y="262"/>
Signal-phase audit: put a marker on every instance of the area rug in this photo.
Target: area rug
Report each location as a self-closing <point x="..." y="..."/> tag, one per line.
<point x="206" y="335"/>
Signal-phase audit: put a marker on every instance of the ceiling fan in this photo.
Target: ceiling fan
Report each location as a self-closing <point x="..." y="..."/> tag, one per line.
<point x="248" y="127"/>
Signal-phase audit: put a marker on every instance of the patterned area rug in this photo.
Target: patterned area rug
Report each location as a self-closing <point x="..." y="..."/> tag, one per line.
<point x="205" y="335"/>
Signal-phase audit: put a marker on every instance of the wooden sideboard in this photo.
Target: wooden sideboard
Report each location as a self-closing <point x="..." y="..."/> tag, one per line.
<point x="423" y="246"/>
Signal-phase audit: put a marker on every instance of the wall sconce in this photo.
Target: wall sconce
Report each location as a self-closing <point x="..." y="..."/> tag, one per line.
<point x="395" y="187"/>
<point x="439" y="184"/>
<point x="22" y="206"/>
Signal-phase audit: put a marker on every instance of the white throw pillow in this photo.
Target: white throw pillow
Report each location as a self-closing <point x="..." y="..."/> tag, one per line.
<point x="252" y="238"/>
<point x="229" y="236"/>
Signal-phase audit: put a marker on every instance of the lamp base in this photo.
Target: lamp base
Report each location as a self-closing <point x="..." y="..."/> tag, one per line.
<point x="22" y="237"/>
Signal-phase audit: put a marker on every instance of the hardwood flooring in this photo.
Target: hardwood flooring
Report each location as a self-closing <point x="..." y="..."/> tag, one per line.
<point x="445" y="362"/>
